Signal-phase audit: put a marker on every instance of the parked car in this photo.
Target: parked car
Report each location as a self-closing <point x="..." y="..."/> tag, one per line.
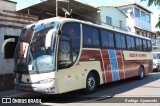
<point x="156" y="61"/>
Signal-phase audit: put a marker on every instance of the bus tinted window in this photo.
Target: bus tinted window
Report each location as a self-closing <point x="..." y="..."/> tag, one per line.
<point x="87" y="35"/>
<point x="104" y="38"/>
<point x="129" y="43"/>
<point x="140" y="43"/>
<point x="133" y="43"/>
<point x="120" y="41"/>
<point x="123" y="42"/>
<point x="95" y="36"/>
<point x="145" y="45"/>
<point x="111" y="39"/>
<point x="149" y="45"/>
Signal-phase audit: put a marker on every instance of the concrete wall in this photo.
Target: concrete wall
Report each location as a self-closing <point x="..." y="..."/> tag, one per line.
<point x="11" y="24"/>
<point x="116" y="15"/>
<point x="5" y="5"/>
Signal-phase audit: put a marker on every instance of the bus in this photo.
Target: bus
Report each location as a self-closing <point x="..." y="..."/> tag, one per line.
<point x="59" y="55"/>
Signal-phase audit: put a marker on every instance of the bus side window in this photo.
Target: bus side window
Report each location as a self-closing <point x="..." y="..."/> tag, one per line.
<point x="95" y="36"/>
<point x="104" y="38"/>
<point x="111" y="39"/>
<point x="145" y="47"/>
<point x="149" y="45"/>
<point x="87" y="35"/>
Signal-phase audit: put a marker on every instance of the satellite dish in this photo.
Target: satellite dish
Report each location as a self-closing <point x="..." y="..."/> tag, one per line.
<point x="129" y="10"/>
<point x="66" y="12"/>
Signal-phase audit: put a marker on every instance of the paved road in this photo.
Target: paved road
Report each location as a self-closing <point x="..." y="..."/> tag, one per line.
<point x="119" y="91"/>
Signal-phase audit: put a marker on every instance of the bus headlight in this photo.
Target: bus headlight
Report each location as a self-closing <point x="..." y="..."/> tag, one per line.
<point x="46" y="81"/>
<point x="154" y="64"/>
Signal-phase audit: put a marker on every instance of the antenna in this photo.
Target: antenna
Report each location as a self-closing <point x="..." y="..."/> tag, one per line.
<point x="66" y="12"/>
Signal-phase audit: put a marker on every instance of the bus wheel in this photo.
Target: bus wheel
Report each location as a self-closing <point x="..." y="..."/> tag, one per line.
<point x="141" y="73"/>
<point x="158" y="69"/>
<point x="91" y="83"/>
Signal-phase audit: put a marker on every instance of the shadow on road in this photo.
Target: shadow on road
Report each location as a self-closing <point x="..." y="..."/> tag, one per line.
<point x="104" y="92"/>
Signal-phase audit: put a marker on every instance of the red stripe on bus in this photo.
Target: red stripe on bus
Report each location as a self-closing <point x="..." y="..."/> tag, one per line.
<point x="120" y="63"/>
<point x="107" y="66"/>
<point x="87" y="55"/>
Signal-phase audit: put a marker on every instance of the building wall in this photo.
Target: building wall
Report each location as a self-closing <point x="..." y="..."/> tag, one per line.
<point x="142" y="24"/>
<point x="5" y="5"/>
<point x="11" y="24"/>
<point x="115" y="14"/>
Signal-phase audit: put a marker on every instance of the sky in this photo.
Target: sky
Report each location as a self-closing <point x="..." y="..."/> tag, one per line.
<point x="97" y="3"/>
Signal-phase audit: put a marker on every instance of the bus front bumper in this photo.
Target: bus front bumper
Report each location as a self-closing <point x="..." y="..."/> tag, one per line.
<point x="49" y="88"/>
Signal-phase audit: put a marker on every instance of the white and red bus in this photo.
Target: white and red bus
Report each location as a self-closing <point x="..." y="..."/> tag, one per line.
<point x="59" y="55"/>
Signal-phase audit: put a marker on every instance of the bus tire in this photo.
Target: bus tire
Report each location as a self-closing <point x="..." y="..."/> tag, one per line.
<point x="91" y="83"/>
<point x="141" y="73"/>
<point x="158" y="69"/>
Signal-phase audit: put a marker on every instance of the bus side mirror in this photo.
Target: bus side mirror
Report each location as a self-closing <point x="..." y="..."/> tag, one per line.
<point x="48" y="39"/>
<point x="23" y="49"/>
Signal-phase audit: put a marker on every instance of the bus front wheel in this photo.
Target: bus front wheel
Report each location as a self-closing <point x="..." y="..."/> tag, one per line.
<point x="91" y="83"/>
<point x="141" y="72"/>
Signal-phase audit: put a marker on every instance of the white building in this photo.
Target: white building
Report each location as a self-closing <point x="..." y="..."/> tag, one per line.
<point x="11" y="24"/>
<point x="112" y="17"/>
<point x="139" y="20"/>
<point x="155" y="18"/>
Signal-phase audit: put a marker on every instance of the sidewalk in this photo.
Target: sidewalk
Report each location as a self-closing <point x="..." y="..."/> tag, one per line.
<point x="12" y="93"/>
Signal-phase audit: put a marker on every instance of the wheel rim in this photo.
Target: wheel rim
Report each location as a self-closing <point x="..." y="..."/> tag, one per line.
<point x="142" y="73"/>
<point x="91" y="83"/>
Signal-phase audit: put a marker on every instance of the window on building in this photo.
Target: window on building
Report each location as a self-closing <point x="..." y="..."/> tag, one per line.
<point x="10" y="47"/>
<point x="143" y="16"/>
<point x="120" y="24"/>
<point x="108" y="20"/>
<point x="137" y="13"/>
<point x="137" y="32"/>
<point x="148" y="18"/>
<point x="125" y="10"/>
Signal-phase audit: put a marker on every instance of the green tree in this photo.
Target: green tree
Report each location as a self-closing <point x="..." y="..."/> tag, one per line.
<point x="156" y="3"/>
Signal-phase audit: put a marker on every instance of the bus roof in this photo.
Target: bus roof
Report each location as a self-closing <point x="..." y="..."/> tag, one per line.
<point x="63" y="20"/>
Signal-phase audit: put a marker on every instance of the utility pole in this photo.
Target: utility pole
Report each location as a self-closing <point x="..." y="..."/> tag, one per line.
<point x="56" y="8"/>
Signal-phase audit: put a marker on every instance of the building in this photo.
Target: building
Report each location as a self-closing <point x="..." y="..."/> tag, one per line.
<point x="139" y="20"/>
<point x="11" y="24"/>
<point x="75" y="9"/>
<point x="154" y="20"/>
<point x="112" y="17"/>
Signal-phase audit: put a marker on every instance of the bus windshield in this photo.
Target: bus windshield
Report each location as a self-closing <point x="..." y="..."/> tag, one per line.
<point x="32" y="55"/>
